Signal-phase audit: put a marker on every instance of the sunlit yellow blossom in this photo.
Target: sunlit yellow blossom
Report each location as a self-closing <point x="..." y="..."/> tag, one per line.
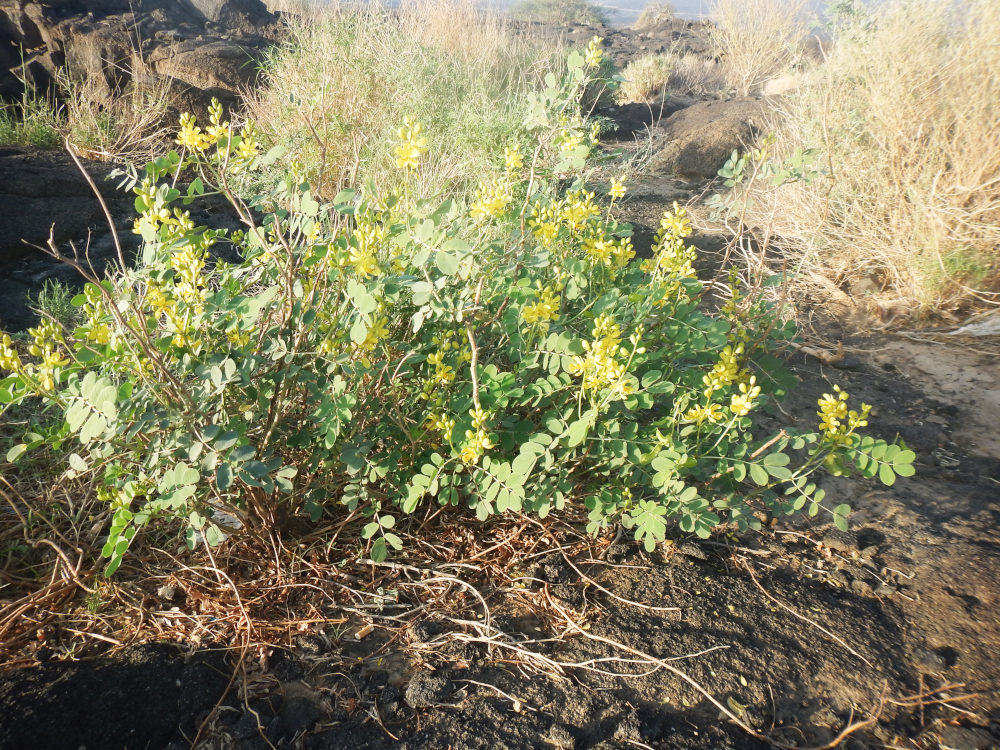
<point x="190" y="136"/>
<point x="513" y="159"/>
<point x="544" y="310"/>
<point x="411" y="145"/>
<point x="617" y="189"/>
<point x="742" y="403"/>
<point x="364" y="261"/>
<point x="599" y="368"/>
<point x="836" y="421"/>
<point x="477" y="440"/>
<point x="443" y="424"/>
<point x="492" y="199"/>
<point x="9" y="359"/>
<point x="726" y="370"/>
<point x="594" y="54"/>
<point x="708" y="413"/>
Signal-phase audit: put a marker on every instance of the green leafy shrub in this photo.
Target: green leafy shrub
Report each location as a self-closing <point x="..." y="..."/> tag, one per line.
<point x="384" y="352"/>
<point x="561" y="12"/>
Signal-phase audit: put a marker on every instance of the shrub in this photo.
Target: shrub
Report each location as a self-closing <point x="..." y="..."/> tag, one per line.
<point x="54" y="301"/>
<point x="559" y="12"/>
<point x="653" y="15"/>
<point x="383" y="352"/>
<point x="338" y="89"/>
<point x="651" y="76"/>
<point x="903" y="117"/>
<point x="757" y="39"/>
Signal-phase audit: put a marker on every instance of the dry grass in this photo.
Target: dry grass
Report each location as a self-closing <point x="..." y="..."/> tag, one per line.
<point x="655" y="14"/>
<point x="908" y="211"/>
<point x="338" y="89"/>
<point x="129" y="125"/>
<point x="650" y="77"/>
<point x="757" y="39"/>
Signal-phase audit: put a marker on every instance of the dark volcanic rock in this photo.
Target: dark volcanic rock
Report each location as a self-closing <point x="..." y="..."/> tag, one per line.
<point x="204" y="48"/>
<point x="701" y="137"/>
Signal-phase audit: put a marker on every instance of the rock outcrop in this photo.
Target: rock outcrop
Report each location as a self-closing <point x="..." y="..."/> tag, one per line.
<point x="699" y="139"/>
<point x="201" y="48"/>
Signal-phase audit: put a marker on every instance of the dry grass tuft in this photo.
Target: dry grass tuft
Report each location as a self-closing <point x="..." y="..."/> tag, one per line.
<point x="655" y="14"/>
<point x="905" y="113"/>
<point x="757" y="39"/>
<point x="129" y="125"/>
<point x="650" y="77"/>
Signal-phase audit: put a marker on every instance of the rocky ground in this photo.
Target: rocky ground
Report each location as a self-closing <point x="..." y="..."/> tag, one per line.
<point x="904" y="603"/>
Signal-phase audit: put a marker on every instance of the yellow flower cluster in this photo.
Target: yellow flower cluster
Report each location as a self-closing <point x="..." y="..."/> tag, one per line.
<point x="9" y="358"/>
<point x="599" y="368"/>
<point x="710" y="412"/>
<point x="377" y="333"/>
<point x="364" y="243"/>
<point x="616" y="191"/>
<point x="411" y="145"/>
<point x="492" y="198"/>
<point x="725" y="371"/>
<point x="97" y="330"/>
<point x="672" y="261"/>
<point x="594" y="54"/>
<point x="540" y="313"/>
<point x="742" y="403"/>
<point x="443" y="424"/>
<point x="477" y="440"/>
<point x="835" y="420"/>
<point x="606" y="251"/>
<point x="513" y="159"/>
<point x="46" y="338"/>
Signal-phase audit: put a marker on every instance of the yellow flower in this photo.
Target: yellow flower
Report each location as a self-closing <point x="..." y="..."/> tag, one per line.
<point x="443" y="423"/>
<point x="594" y="54"/>
<point x="513" y="158"/>
<point x="411" y="145"/>
<point x="544" y="310"/>
<point x="190" y="136"/>
<point x="743" y="402"/>
<point x="726" y="371"/>
<point x="617" y="189"/>
<point x="9" y="359"/>
<point x="708" y="413"/>
<point x="476" y="443"/>
<point x="364" y="262"/>
<point x="837" y="422"/>
<point x="492" y="199"/>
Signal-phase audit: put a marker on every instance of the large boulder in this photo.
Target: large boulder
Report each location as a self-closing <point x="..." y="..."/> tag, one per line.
<point x="209" y="47"/>
<point x="699" y="139"/>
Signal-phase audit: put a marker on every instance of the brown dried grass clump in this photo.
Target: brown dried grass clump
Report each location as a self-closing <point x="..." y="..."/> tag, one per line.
<point x="757" y="39"/>
<point x="904" y="114"/>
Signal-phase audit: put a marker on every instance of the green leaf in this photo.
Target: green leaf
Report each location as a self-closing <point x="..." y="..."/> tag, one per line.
<point x="16" y="452"/>
<point x="76" y="463"/>
<point x="446" y="262"/>
<point x="758" y="474"/>
<point x="886" y="475"/>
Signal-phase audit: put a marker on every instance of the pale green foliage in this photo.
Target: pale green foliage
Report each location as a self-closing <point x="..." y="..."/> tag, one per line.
<point x="383" y="352"/>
